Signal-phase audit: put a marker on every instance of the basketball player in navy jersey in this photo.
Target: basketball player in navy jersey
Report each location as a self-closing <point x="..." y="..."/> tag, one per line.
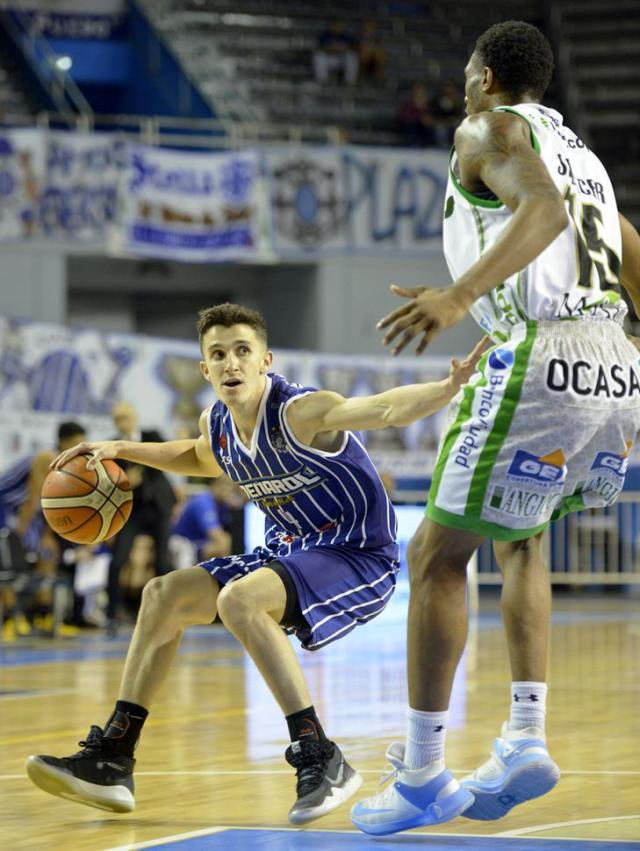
<point x="329" y="560"/>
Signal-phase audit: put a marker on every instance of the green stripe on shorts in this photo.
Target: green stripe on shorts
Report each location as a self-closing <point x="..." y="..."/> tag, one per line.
<point x="464" y="413"/>
<point x="501" y="424"/>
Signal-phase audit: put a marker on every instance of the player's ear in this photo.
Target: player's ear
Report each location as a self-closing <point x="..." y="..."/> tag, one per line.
<point x="266" y="362"/>
<point x="204" y="369"/>
<point x="487" y="79"/>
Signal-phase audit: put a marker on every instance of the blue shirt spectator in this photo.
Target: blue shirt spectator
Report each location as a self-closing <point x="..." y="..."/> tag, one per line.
<point x="199" y="522"/>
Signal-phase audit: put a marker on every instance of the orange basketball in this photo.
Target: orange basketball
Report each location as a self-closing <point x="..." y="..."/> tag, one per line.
<point x="86" y="506"/>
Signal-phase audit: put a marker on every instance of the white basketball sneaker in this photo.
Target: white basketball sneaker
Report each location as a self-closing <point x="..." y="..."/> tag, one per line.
<point x="518" y="770"/>
<point x="415" y="798"/>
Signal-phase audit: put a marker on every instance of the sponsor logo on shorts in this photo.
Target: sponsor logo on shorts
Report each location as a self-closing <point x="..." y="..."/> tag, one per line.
<point x="483" y="421"/>
<point x="615" y="381"/>
<point x="501" y="359"/>
<point x="611" y="462"/>
<point x="545" y="470"/>
<point x="518" y="502"/>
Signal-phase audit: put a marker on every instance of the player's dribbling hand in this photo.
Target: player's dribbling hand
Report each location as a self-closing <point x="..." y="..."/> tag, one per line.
<point x="99" y="450"/>
<point x="430" y="311"/>
<point x="461" y="371"/>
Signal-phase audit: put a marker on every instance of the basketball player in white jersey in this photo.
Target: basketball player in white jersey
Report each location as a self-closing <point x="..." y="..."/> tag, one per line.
<point x="532" y="238"/>
<point x="329" y="562"/>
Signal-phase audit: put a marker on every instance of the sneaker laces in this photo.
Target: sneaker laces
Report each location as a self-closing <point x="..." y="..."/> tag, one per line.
<point x="94" y="742"/>
<point x="310" y="762"/>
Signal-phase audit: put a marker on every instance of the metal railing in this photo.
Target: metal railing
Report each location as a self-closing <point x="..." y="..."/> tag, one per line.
<point x="177" y="132"/>
<point x="592" y="547"/>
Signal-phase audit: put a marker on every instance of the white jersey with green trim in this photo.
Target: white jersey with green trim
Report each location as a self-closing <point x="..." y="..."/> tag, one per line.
<point x="574" y="275"/>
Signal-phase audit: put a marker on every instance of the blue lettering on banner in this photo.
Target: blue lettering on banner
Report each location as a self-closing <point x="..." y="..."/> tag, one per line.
<point x="417" y="195"/>
<point x="541" y="469"/>
<point x="142" y="234"/>
<point x="187" y="181"/>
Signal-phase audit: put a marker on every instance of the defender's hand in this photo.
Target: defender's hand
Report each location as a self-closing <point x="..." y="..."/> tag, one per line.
<point x="461" y="371"/>
<point x="429" y="312"/>
<point x="98" y="449"/>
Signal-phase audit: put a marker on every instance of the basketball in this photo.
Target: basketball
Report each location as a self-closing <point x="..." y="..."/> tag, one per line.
<point x="86" y="506"/>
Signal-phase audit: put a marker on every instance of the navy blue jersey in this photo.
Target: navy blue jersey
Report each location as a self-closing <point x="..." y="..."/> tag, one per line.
<point x="14" y="490"/>
<point x="310" y="497"/>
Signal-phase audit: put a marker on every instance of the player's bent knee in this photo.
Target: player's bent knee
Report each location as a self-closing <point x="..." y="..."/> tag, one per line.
<point x="235" y="606"/>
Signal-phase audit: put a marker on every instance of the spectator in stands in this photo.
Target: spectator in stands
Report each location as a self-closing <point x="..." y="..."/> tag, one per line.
<point x="416" y="122"/>
<point x="336" y="53"/>
<point x="153" y="501"/>
<point x="200" y="527"/>
<point x="372" y="56"/>
<point x="20" y="512"/>
<point x="448" y="112"/>
<point x="231" y="502"/>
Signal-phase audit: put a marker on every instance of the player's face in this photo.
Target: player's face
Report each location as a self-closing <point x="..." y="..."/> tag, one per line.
<point x="475" y="97"/>
<point x="235" y="363"/>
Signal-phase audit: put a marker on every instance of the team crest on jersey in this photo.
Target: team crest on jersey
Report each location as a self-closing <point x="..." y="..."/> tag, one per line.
<point x="277" y="440"/>
<point x="222" y="442"/>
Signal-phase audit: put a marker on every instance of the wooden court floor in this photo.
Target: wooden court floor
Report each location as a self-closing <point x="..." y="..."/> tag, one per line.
<point x="211" y="772"/>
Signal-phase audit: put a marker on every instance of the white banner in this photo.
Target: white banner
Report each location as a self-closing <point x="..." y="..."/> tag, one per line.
<point x="355" y="199"/>
<point x="22" y="175"/>
<point x="188" y="206"/>
<point x="79" y="197"/>
<point x="79" y="373"/>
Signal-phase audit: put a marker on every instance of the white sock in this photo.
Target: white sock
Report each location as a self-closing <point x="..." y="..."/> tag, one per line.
<point x="426" y="732"/>
<point x="528" y="705"/>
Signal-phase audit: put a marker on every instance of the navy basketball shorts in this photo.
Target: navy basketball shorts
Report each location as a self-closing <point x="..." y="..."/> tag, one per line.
<point x="338" y="587"/>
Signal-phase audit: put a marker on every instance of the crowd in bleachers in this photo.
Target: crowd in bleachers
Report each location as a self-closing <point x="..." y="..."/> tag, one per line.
<point x="289" y="63"/>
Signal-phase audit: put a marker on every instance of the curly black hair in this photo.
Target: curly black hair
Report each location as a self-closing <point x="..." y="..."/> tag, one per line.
<point x="520" y="57"/>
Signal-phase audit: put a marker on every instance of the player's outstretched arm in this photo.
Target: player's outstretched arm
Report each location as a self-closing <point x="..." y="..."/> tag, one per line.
<point x="185" y="457"/>
<point x="324" y="411"/>
<point x="630" y="275"/>
<point x="494" y="150"/>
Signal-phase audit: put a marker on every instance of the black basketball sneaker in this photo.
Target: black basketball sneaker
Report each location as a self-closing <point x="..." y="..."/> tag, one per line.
<point x="97" y="776"/>
<point x="325" y="779"/>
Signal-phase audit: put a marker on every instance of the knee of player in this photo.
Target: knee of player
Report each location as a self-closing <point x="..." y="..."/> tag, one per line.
<point x="234" y="606"/>
<point x="156" y="595"/>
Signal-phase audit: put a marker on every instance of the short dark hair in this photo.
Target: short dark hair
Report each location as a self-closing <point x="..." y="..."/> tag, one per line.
<point x="228" y="314"/>
<point x="70" y="429"/>
<point x="519" y="55"/>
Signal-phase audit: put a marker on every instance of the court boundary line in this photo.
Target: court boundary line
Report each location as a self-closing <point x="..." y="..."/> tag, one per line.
<point x="223" y="772"/>
<point x="551" y="825"/>
<point x="152" y="843"/>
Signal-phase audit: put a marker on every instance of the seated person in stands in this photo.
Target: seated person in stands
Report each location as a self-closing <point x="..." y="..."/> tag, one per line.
<point x="371" y="53"/>
<point x="20" y="514"/>
<point x="200" y="525"/>
<point x="416" y="122"/>
<point x="336" y="53"/>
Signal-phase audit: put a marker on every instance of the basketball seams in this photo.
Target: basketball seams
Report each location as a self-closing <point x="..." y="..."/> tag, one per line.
<point x="104" y="501"/>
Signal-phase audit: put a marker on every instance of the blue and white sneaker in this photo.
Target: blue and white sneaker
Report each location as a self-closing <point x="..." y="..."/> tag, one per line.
<point x="518" y="770"/>
<point x="417" y="797"/>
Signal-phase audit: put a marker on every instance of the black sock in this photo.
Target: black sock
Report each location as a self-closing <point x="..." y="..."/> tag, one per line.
<point x="304" y="725"/>
<point x="123" y="727"/>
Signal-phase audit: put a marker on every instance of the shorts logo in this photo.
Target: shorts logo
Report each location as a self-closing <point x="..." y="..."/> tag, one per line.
<point x="540" y="469"/>
<point x="501" y="359"/>
<point x="610" y="462"/>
